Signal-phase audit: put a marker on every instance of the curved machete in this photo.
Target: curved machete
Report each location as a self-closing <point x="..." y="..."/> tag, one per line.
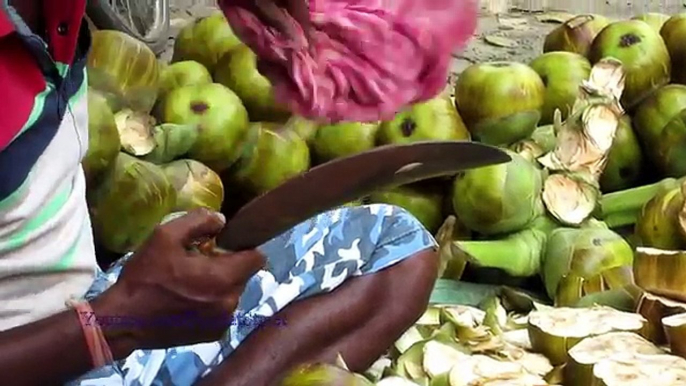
<point x="346" y="179"/>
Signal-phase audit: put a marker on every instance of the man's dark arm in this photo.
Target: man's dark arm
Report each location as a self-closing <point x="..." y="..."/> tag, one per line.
<point x="53" y="351"/>
<point x="360" y="320"/>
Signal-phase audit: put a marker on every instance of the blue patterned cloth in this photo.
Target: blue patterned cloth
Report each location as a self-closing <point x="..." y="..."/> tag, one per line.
<point x="314" y="257"/>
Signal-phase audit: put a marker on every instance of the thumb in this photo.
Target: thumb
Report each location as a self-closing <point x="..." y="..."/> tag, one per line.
<point x="274" y="16"/>
<point x="299" y="10"/>
<point x="197" y="225"/>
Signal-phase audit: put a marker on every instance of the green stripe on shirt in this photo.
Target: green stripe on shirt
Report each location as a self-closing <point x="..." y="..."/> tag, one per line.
<point x="47" y="212"/>
<point x="69" y="257"/>
<point x="37" y="111"/>
<point x="62" y="68"/>
<point x="16" y="196"/>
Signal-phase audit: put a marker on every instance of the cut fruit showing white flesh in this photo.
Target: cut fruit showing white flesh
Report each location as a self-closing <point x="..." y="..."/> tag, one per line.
<point x="675" y="330"/>
<point x="395" y="381"/>
<point x="518" y="338"/>
<point x="439" y="358"/>
<point x="661" y="272"/>
<point x="553" y="332"/>
<point x="641" y="370"/>
<point x="464" y="315"/>
<point x="655" y="308"/>
<point x="533" y="363"/>
<point x="591" y="350"/>
<point x="430" y="317"/>
<point x="135" y="132"/>
<point x="484" y="370"/>
<point x="407" y="339"/>
<point x="522" y="380"/>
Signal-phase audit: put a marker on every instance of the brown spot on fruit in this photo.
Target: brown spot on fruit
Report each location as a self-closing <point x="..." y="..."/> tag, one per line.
<point x="199" y="107"/>
<point x="628" y="40"/>
<point x="407" y="127"/>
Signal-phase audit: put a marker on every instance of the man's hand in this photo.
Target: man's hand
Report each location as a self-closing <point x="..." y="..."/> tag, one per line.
<point x="170" y="294"/>
<point x="273" y="13"/>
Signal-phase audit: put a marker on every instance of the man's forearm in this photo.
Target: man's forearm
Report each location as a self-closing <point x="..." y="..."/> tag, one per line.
<point x="359" y="320"/>
<point x="53" y="351"/>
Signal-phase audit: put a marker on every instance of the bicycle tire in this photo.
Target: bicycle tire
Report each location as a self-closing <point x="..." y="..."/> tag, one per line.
<point x="105" y="16"/>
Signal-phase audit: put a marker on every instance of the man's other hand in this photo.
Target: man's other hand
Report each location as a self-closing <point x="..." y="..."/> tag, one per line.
<point x="170" y="294"/>
<point x="273" y="13"/>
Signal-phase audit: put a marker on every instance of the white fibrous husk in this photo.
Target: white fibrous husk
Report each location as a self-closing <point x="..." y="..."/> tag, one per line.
<point x="135" y="132"/>
<point x="584" y="140"/>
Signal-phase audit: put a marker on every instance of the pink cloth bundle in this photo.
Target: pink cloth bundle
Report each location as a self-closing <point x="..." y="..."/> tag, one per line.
<point x="369" y="58"/>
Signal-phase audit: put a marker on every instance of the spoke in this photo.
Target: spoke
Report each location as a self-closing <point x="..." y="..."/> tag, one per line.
<point x="137" y="14"/>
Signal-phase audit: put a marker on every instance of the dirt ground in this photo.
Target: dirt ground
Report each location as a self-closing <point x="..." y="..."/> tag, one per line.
<point x="515" y="36"/>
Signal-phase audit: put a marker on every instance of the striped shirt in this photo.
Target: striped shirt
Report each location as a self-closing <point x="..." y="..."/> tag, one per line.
<point x="46" y="243"/>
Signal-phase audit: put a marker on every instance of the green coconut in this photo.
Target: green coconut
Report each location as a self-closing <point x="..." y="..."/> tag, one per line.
<point x="124" y="69"/>
<point x="323" y="375"/>
<point x="575" y="35"/>
<point x="436" y="119"/>
<point x="220" y="116"/>
<point x="237" y="70"/>
<point x="658" y="224"/>
<point x="343" y="139"/>
<point x="673" y="33"/>
<point x="643" y="54"/>
<point x="653" y="19"/>
<point x="582" y="261"/>
<point x="499" y="199"/>
<point x="624" y="166"/>
<point x="185" y="73"/>
<point x="424" y="203"/>
<point x="103" y="138"/>
<point x="654" y="113"/>
<point x="132" y="199"/>
<point x="305" y="128"/>
<point x="205" y="40"/>
<point x="562" y="74"/>
<point x="273" y="155"/>
<point x="196" y="185"/>
<point x="171" y="141"/>
<point x="671" y="149"/>
<point x="500" y="102"/>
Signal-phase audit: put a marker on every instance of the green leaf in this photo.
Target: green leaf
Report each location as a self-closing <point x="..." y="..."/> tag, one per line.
<point x="451" y="292"/>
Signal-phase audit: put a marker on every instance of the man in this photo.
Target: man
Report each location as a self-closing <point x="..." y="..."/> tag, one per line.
<point x="372" y="266"/>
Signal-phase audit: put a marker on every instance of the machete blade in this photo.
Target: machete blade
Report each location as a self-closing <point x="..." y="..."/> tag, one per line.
<point x="346" y="179"/>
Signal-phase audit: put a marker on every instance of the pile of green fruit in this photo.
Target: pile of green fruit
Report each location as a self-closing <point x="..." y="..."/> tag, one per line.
<point x="590" y="212"/>
<point x="205" y="130"/>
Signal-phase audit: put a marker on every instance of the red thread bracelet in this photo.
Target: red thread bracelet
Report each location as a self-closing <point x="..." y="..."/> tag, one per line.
<point x="101" y="354"/>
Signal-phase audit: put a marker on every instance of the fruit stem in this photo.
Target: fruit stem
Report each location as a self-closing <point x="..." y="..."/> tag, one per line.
<point x="632" y="200"/>
<point x="621" y="219"/>
<point x="518" y="254"/>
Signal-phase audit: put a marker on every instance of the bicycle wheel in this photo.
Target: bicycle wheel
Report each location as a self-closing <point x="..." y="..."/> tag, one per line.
<point x="146" y="20"/>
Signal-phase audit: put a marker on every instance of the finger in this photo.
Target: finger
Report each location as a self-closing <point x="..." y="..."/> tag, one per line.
<point x="300" y="11"/>
<point x="197" y="225"/>
<point x="239" y="266"/>
<point x="272" y="15"/>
